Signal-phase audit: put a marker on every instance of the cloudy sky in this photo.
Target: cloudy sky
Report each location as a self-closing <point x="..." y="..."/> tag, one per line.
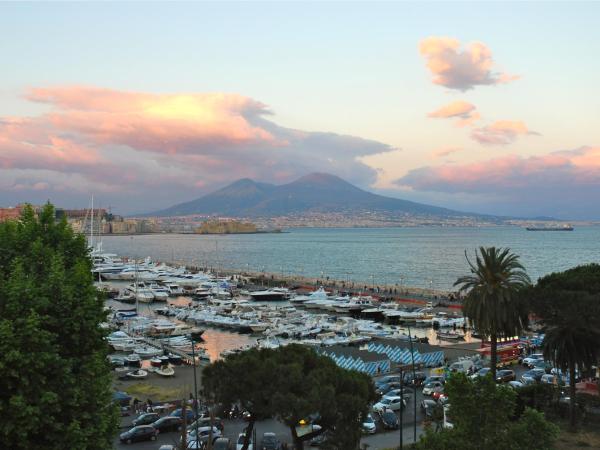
<point x="490" y="108"/>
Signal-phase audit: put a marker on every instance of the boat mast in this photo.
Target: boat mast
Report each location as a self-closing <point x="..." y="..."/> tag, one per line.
<point x="92" y="226"/>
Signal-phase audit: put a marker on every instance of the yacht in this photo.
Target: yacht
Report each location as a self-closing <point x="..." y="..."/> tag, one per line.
<point x="274" y="294"/>
<point x="319" y="294"/>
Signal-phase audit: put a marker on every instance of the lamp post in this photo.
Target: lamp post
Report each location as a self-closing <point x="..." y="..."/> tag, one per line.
<point x="195" y="390"/>
<point x="401" y="407"/>
<point x="412" y="357"/>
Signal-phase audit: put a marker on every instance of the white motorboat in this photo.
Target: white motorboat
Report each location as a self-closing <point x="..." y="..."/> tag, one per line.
<point x="144" y="295"/>
<point x="449" y="336"/>
<point x="165" y="371"/>
<point x="257" y="326"/>
<point x="319" y="294"/>
<point x="147" y="351"/>
<point x="137" y="374"/>
<point x="443" y="320"/>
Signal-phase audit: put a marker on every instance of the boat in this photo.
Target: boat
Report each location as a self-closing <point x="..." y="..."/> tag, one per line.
<point x="274" y="294"/>
<point x="449" y="336"/>
<point x="147" y="351"/>
<point x="563" y="228"/>
<point x="156" y="362"/>
<point x="319" y="294"/>
<point x="133" y="360"/>
<point x="165" y="371"/>
<point x="137" y="374"/>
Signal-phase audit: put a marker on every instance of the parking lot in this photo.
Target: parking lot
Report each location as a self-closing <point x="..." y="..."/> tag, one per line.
<point x="232" y="428"/>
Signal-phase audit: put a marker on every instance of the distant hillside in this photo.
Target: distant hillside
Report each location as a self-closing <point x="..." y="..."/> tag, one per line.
<point x="314" y="193"/>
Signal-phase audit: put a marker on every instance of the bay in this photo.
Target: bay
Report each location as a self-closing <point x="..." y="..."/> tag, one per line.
<point x="424" y="257"/>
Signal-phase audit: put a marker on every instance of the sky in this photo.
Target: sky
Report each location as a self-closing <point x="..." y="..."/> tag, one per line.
<point x="484" y="107"/>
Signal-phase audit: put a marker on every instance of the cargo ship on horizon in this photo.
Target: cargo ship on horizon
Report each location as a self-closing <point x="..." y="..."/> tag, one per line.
<point x="563" y="228"/>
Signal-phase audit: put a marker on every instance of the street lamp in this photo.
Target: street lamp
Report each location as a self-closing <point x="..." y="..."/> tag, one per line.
<point x="412" y="357"/>
<point x="195" y="389"/>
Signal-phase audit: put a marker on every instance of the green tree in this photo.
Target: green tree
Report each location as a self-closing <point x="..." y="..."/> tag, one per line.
<point x="568" y="303"/>
<point x="492" y="302"/>
<point x="291" y="384"/>
<point x="482" y="418"/>
<point x="54" y="377"/>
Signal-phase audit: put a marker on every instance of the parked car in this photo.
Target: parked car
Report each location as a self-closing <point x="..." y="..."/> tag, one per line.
<point x="534" y="375"/>
<point x="168" y="423"/>
<point x="437" y="396"/>
<point x="318" y="440"/>
<point x="145" y="419"/>
<point x="463" y="366"/>
<point x="368" y="425"/>
<point x="542" y="365"/>
<point x="189" y="414"/>
<point x="415" y="379"/>
<point x="240" y="442"/>
<point x="515" y="384"/>
<point x="440" y="378"/>
<point x="138" y="434"/>
<point x="427" y="406"/>
<point x="393" y="403"/>
<point x="385" y="388"/>
<point x="203" y="434"/>
<point x="404" y="393"/>
<point x="481" y="372"/>
<point x="434" y="386"/>
<point x="390" y="421"/>
<point x="270" y="442"/>
<point x="206" y="422"/>
<point x="388" y="379"/>
<point x="505" y="375"/>
<point x="529" y="360"/>
<point x="548" y="378"/>
<point x="222" y="443"/>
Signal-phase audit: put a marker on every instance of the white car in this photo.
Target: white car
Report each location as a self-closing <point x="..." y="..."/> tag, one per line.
<point x="393" y="403"/>
<point x="203" y="436"/>
<point x="434" y="386"/>
<point x="240" y="442"/>
<point x="398" y="393"/>
<point x="528" y="361"/>
<point x="368" y="425"/>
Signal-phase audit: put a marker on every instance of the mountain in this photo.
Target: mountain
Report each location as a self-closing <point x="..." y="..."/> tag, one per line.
<point x="314" y="193"/>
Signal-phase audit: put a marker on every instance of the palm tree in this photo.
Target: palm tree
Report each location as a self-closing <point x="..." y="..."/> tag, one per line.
<point x="492" y="303"/>
<point x="572" y="343"/>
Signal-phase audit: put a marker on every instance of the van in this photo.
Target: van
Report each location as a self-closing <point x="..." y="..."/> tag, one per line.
<point x="465" y="366"/>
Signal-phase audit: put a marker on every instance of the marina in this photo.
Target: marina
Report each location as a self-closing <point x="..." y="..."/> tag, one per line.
<point x="180" y="315"/>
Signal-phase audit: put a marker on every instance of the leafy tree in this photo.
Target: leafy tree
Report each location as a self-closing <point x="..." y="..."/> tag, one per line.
<point x="568" y="303"/>
<point x="293" y="383"/>
<point x="492" y="302"/>
<point x="482" y="416"/>
<point x="54" y="377"/>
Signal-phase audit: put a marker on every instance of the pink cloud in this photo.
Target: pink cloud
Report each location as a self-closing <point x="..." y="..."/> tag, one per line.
<point x="163" y="147"/>
<point x="460" y="68"/>
<point x="501" y="132"/>
<point x="188" y="123"/>
<point x="464" y="111"/>
<point x="564" y="171"/>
